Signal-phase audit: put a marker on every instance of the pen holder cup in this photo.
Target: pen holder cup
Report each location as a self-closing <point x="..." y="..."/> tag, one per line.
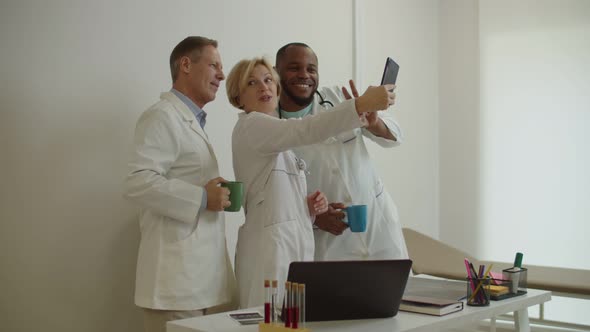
<point x="478" y="291"/>
<point x="515" y="279"/>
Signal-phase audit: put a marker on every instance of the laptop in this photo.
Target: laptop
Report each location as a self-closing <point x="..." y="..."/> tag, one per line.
<point x="339" y="290"/>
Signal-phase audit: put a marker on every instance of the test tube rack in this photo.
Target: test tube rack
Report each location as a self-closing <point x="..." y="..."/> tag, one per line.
<point x="266" y="327"/>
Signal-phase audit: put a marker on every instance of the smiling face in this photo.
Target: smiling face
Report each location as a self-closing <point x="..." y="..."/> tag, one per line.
<point x="260" y="92"/>
<point x="204" y="76"/>
<point x="298" y="69"/>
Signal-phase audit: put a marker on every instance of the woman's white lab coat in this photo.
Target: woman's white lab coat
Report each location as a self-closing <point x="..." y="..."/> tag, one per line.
<point x="278" y="227"/>
<point x="342" y="169"/>
<point x="183" y="262"/>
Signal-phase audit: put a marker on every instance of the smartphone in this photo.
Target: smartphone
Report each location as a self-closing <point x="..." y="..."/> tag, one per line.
<point x="390" y="72"/>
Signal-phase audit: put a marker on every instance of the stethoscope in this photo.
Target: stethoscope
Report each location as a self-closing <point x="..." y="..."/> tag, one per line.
<point x="322" y="102"/>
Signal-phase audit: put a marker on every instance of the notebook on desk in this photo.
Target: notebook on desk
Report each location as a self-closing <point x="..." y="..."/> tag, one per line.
<point x="436" y="297"/>
<point x="338" y="290"/>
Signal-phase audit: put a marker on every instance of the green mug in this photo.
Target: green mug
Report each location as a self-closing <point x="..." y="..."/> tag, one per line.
<point x="236" y="194"/>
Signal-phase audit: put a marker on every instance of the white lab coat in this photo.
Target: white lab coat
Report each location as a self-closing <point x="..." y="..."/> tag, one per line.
<point x="278" y="227"/>
<point x="341" y="168"/>
<point x="183" y="262"/>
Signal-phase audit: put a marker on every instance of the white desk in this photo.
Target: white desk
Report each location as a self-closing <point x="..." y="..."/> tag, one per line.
<point x="402" y="322"/>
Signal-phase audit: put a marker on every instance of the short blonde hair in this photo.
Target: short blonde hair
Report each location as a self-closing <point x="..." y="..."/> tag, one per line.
<point x="237" y="80"/>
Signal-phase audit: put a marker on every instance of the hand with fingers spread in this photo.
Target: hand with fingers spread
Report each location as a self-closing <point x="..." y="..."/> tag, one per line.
<point x="355" y="93"/>
<point x="331" y="220"/>
<point x="317" y="203"/>
<point x="217" y="197"/>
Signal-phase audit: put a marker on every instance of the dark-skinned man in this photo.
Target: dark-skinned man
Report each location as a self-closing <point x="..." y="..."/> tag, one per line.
<point x="341" y="166"/>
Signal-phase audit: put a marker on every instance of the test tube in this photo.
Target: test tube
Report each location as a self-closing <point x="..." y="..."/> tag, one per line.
<point x="273" y="302"/>
<point x="287" y="306"/>
<point x="294" y="307"/>
<point x="267" y="301"/>
<point x="302" y="305"/>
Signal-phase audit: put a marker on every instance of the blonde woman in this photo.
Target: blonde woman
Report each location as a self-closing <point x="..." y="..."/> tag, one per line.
<point x="279" y="211"/>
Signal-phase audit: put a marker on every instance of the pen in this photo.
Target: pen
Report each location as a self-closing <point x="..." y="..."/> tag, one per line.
<point x="480" y="283"/>
<point x="469" y="275"/>
<point x="473" y="272"/>
<point x="479" y="276"/>
<point x="518" y="260"/>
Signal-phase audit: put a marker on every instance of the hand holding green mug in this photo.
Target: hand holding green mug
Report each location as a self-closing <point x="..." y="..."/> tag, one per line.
<point x="236" y="194"/>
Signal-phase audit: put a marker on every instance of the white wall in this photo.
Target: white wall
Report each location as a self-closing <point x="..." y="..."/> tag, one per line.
<point x="514" y="106"/>
<point x="535" y="110"/>
<point x="459" y="123"/>
<point x="407" y="32"/>
<point x="74" y="77"/>
<point x="514" y="113"/>
<point x="535" y="69"/>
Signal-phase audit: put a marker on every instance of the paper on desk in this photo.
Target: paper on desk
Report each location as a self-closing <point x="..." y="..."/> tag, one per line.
<point x="432" y="288"/>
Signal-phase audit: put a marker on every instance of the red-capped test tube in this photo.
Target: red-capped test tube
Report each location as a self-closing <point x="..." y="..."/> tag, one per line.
<point x="294" y="307"/>
<point x="287" y="304"/>
<point x="267" y="301"/>
<point x="273" y="301"/>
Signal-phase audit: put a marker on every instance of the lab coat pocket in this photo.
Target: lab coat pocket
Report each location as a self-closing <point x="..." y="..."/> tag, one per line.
<point x="349" y="136"/>
<point x="257" y="199"/>
<point x="275" y="207"/>
<point x="379" y="189"/>
<point x="174" y="231"/>
<point x="271" y="223"/>
<point x="281" y="248"/>
<point x="253" y="203"/>
<point x="275" y="214"/>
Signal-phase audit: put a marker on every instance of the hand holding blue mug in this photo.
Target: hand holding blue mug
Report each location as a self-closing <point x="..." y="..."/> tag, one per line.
<point x="356" y="218"/>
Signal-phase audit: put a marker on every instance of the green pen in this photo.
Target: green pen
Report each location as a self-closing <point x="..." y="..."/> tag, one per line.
<point x="518" y="260"/>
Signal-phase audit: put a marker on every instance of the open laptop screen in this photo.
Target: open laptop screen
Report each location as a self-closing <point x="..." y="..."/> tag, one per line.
<point x="337" y="290"/>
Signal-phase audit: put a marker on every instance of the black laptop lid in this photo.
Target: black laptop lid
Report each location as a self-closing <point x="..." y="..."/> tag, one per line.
<point x="337" y="290"/>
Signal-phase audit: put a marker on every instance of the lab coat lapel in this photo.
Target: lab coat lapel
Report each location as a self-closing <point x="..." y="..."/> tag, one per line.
<point x="187" y="115"/>
<point x="315" y="106"/>
<point x="196" y="127"/>
<point x="189" y="118"/>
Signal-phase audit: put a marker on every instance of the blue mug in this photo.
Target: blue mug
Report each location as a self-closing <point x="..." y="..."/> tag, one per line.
<point x="356" y="218"/>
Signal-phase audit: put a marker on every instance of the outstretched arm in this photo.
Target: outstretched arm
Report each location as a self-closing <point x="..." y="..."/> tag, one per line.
<point x="371" y="121"/>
